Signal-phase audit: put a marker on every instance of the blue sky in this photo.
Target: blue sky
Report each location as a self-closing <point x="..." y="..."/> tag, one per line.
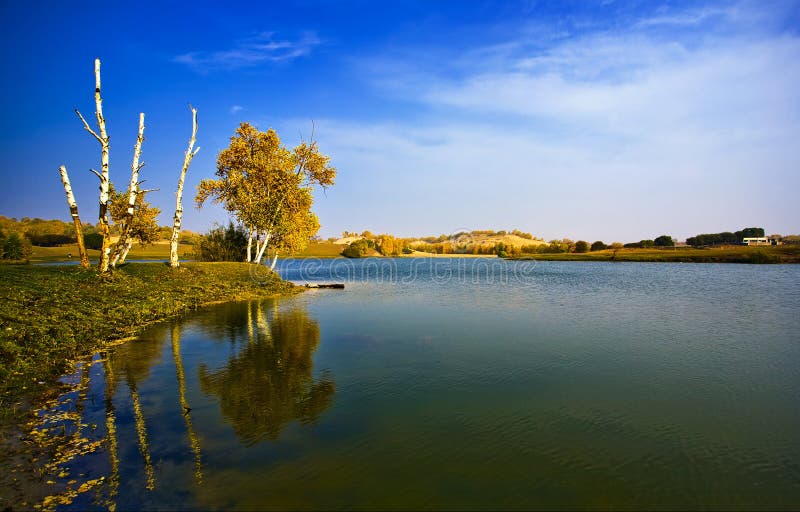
<point x="602" y="120"/>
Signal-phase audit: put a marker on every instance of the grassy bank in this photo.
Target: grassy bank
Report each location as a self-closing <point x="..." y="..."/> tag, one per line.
<point x="49" y="315"/>
<point x="726" y="254"/>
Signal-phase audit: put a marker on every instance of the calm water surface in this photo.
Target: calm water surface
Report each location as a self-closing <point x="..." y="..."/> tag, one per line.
<point x="458" y="384"/>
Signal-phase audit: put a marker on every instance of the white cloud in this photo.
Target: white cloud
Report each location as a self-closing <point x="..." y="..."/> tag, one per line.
<point x="253" y="51"/>
<point x="236" y="108"/>
<point x="651" y="134"/>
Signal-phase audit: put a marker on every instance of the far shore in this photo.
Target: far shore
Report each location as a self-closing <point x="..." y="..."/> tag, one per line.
<point x="327" y="250"/>
<point x="722" y="254"/>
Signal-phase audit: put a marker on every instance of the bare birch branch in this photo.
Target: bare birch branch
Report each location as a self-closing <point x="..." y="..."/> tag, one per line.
<point x="88" y="128"/>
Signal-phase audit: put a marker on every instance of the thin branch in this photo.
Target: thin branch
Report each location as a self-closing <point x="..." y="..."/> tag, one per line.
<point x="97" y="174"/>
<point x="88" y="128"/>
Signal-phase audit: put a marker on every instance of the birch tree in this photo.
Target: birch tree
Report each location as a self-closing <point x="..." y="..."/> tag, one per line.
<point x="124" y="243"/>
<point x="267" y="187"/>
<point x="73" y="211"/>
<point x="102" y="138"/>
<point x="176" y="226"/>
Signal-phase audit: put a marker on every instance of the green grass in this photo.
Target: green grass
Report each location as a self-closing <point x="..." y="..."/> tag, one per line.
<point x="51" y="315"/>
<point x="158" y="251"/>
<point x="725" y="254"/>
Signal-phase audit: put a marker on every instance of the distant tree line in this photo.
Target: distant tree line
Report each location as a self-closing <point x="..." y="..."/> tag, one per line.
<point x="725" y="237"/>
<point x="386" y="245"/>
<point x="52" y="232"/>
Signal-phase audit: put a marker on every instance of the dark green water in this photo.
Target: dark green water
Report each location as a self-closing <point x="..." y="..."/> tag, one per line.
<point x="460" y="384"/>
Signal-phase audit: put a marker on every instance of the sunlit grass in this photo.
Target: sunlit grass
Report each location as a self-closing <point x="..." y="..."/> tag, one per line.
<point x="157" y="251"/>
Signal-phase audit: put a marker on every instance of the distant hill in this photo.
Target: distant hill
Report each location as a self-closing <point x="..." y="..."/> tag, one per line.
<point x="486" y="239"/>
<point x="473" y="242"/>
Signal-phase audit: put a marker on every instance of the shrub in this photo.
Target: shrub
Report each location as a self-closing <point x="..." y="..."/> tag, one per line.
<point x="223" y="244"/>
<point x="664" y="241"/>
<point x="16" y="247"/>
<point x="50" y="240"/>
<point x="93" y="241"/>
<point x="598" y="246"/>
<point x="358" y="249"/>
<point x="581" y="246"/>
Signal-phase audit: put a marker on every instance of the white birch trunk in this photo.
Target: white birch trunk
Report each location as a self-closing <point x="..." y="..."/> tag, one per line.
<point x="260" y="254"/>
<point x="176" y="226"/>
<point x="114" y="260"/>
<point x="126" y="249"/>
<point x="250" y="247"/>
<point x="133" y="189"/>
<point x="102" y="138"/>
<point x="73" y="211"/>
<point x="118" y="258"/>
<point x="274" y="261"/>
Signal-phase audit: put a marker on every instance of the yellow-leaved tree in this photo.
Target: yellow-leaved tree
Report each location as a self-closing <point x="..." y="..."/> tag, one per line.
<point x="268" y="188"/>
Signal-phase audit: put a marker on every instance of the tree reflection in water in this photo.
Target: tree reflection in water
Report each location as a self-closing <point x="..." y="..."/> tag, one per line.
<point x="132" y="362"/>
<point x="269" y="382"/>
<point x="263" y="386"/>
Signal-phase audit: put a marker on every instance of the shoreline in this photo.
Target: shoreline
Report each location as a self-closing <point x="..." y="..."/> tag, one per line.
<point x="785" y="254"/>
<point x="54" y="317"/>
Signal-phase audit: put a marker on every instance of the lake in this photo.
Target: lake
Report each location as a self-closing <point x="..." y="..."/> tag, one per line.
<point x="454" y="384"/>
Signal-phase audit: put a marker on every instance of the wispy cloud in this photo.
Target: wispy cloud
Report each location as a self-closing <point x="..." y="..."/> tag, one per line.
<point x="236" y="109"/>
<point x="632" y="115"/>
<point x="261" y="48"/>
<point x="686" y="17"/>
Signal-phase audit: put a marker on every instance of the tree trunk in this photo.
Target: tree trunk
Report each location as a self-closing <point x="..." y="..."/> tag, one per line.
<point x="105" y="183"/>
<point x="118" y="257"/>
<point x="274" y="261"/>
<point x="250" y="247"/>
<point x="125" y="250"/>
<point x="102" y="138"/>
<point x="263" y="248"/>
<point x="176" y="226"/>
<point x="133" y="189"/>
<point x="73" y="210"/>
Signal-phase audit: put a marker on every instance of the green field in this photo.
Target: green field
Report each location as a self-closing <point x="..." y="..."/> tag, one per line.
<point x="725" y="254"/>
<point x="322" y="250"/>
<point x="158" y="251"/>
